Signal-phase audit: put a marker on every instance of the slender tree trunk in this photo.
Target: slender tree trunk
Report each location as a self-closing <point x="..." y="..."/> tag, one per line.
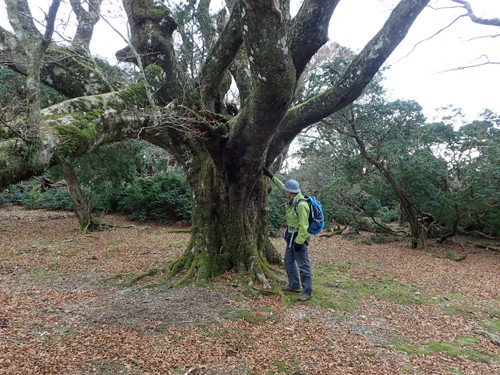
<point x="229" y="229"/>
<point x="454" y="227"/>
<point x="418" y="232"/>
<point x="82" y="206"/>
<point x="33" y="86"/>
<point x="410" y="212"/>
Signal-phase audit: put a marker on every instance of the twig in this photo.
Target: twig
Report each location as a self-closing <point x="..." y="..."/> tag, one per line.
<point x="432" y="36"/>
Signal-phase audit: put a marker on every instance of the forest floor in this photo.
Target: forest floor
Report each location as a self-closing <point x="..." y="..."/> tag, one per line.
<point x="69" y="305"/>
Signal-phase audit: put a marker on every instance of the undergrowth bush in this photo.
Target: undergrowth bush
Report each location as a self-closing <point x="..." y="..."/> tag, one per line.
<point x="164" y="197"/>
<point x="31" y="195"/>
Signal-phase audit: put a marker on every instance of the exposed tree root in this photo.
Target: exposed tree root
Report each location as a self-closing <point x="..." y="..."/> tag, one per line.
<point x="494" y="338"/>
<point x="486" y="247"/>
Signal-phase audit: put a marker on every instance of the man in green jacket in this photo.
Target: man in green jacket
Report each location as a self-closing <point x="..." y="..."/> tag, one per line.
<point x="296" y="237"/>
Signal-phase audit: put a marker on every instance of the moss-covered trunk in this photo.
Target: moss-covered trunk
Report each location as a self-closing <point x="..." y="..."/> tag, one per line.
<point x="229" y="228"/>
<point x="80" y="201"/>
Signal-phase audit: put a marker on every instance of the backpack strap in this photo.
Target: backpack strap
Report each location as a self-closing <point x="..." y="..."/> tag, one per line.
<point x="295" y="209"/>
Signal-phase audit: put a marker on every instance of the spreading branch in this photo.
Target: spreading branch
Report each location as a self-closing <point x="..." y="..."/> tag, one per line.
<point x="354" y="79"/>
<point x="309" y="31"/>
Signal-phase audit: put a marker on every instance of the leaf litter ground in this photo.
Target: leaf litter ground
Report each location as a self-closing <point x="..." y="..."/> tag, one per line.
<point x="67" y="306"/>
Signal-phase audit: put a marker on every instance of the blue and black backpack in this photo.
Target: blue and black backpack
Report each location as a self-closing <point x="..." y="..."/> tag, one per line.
<point x="316" y="216"/>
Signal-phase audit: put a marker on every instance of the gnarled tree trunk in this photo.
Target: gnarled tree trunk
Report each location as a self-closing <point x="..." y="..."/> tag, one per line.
<point x="229" y="228"/>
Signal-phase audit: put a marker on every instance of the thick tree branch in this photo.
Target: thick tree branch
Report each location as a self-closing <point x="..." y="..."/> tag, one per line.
<point x="219" y="59"/>
<point x="353" y="80"/>
<point x="310" y="30"/>
<point x="207" y="28"/>
<point x="86" y="22"/>
<point x="33" y="44"/>
<point x="273" y="81"/>
<point x="21" y="20"/>
<point x="152" y="27"/>
<point x="51" y="20"/>
<point x="63" y="68"/>
<point x="103" y="119"/>
<point x="239" y="70"/>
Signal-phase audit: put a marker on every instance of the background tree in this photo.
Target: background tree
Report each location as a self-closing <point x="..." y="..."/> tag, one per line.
<point x="374" y="152"/>
<point x="470" y="198"/>
<point x="265" y="51"/>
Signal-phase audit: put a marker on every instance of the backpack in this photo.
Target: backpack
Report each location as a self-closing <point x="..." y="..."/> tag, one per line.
<point x="316" y="216"/>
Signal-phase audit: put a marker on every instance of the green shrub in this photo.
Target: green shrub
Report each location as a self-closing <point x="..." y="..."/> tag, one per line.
<point x="14" y="194"/>
<point x="277" y="207"/>
<point x="57" y="198"/>
<point x="389" y="215"/>
<point x="164" y="197"/>
<point x="30" y="195"/>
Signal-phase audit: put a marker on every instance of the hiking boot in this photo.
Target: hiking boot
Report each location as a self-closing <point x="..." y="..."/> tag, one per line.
<point x="304" y="297"/>
<point x="288" y="288"/>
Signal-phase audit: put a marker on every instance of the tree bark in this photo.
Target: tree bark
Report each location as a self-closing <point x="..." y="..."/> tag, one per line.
<point x="229" y="227"/>
<point x="82" y="207"/>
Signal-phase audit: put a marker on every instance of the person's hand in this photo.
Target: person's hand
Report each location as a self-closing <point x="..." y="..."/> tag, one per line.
<point x="266" y="172"/>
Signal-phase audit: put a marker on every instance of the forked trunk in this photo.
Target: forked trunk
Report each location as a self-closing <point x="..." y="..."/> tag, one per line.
<point x="229" y="228"/>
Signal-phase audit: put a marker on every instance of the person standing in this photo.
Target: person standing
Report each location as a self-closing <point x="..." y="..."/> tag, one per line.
<point x="297" y="238"/>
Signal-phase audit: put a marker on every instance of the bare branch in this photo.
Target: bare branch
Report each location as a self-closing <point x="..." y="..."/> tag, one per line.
<point x="474" y="18"/>
<point x="429" y="38"/>
<point x="486" y="36"/>
<point x="487" y="62"/>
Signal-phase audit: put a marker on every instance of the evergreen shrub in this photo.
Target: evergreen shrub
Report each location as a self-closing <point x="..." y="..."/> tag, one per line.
<point x="164" y="197"/>
<point x="277" y="207"/>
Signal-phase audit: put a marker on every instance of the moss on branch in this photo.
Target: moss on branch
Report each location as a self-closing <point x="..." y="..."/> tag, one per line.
<point x="74" y="140"/>
<point x="134" y="95"/>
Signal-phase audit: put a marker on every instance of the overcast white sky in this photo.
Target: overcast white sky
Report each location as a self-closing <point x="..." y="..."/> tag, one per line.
<point x="417" y="74"/>
<point x="421" y="75"/>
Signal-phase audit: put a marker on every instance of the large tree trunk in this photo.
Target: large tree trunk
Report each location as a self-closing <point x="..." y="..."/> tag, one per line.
<point x="229" y="228"/>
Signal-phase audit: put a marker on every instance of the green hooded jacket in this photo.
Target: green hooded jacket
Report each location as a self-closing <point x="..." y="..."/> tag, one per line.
<point x="299" y="222"/>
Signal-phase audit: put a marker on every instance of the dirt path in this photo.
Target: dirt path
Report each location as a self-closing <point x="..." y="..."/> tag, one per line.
<point x="65" y="307"/>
